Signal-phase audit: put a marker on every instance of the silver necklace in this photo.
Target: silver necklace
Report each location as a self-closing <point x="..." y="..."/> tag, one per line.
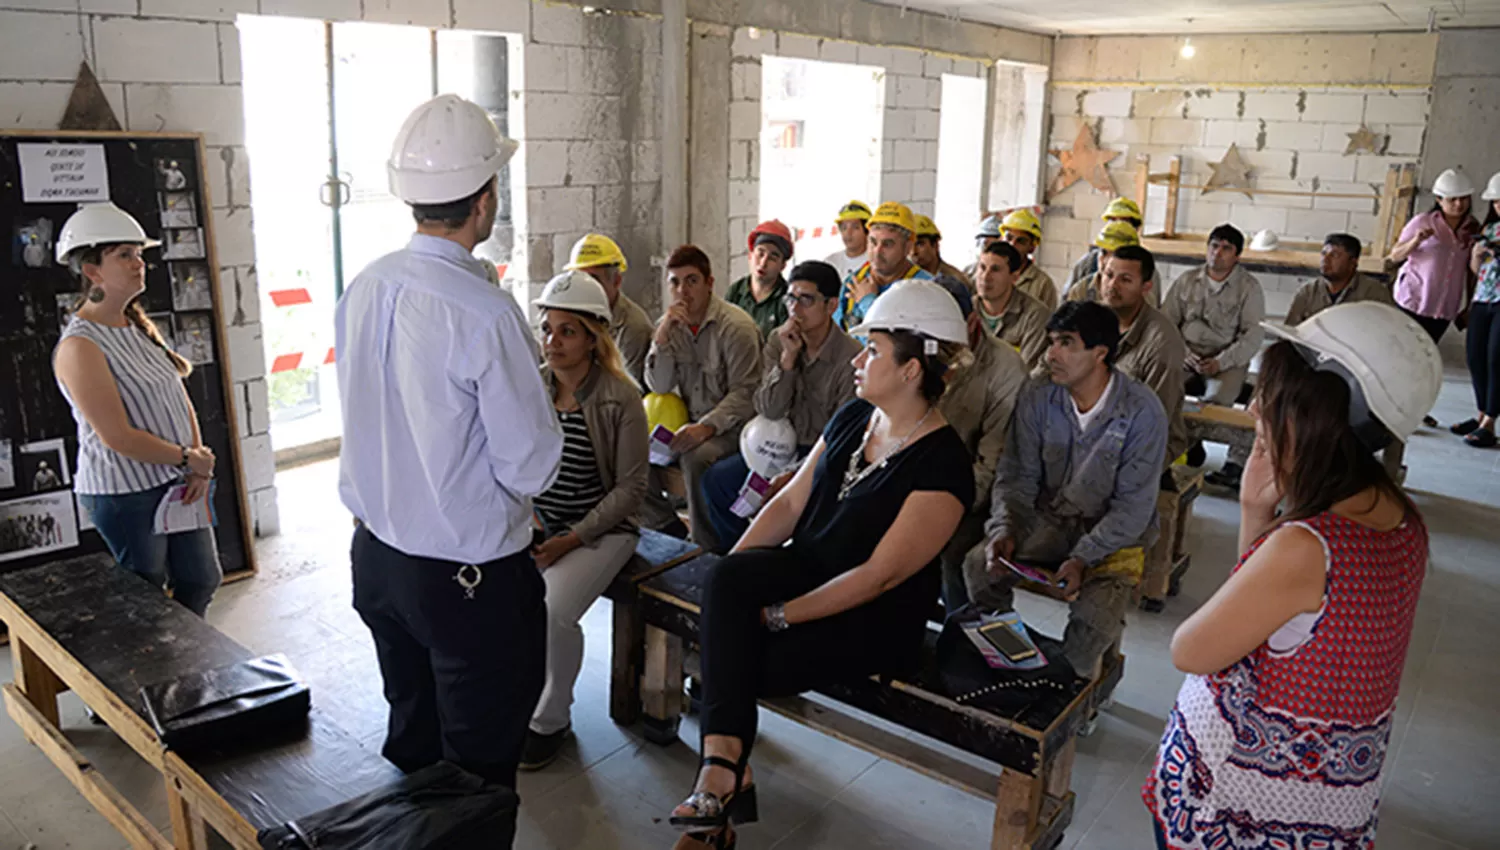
<point x="856" y="473"/>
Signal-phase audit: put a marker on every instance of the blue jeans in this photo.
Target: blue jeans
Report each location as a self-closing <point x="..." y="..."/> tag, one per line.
<point x="721" y="485"/>
<point x="187" y="562"/>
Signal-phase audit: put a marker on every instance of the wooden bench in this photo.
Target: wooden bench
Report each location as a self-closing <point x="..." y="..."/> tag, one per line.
<point x="655" y="553"/>
<point x="1169" y="559"/>
<point x="1034" y="746"/>
<point x="1213" y="423"/>
<point x="88" y="626"/>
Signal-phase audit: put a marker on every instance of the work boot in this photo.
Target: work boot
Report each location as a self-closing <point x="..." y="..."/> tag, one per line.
<point x="1227" y="477"/>
<point x="542" y="750"/>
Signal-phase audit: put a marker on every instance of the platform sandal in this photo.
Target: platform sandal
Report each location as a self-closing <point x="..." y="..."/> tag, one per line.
<point x="710" y="812"/>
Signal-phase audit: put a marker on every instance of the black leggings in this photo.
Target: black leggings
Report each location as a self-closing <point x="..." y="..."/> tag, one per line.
<point x="1484" y="355"/>
<point x="743" y="662"/>
<point x="1435" y="327"/>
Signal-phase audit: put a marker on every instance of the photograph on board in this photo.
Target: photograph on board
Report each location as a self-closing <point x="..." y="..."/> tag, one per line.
<point x="171" y="175"/>
<point x="31" y="243"/>
<point x="36" y="525"/>
<point x="182" y="244"/>
<point x="42" y="466"/>
<point x="66" y="304"/>
<point x="164" y="326"/>
<point x="195" y="338"/>
<point x="178" y="209"/>
<point x="190" y="287"/>
<point x="7" y="466"/>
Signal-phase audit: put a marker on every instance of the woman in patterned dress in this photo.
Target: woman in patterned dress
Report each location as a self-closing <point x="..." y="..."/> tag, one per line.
<point x="1278" y="736"/>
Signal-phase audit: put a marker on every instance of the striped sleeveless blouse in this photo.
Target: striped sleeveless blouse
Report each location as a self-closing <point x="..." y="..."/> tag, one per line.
<point x="154" y="401"/>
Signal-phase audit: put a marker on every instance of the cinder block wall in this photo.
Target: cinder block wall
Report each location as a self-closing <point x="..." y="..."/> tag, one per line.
<point x="1288" y="102"/>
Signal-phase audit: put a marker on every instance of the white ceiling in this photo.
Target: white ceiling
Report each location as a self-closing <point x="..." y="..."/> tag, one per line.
<point x="1119" y="17"/>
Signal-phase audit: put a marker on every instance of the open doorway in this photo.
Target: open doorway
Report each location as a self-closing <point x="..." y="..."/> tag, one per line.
<point x="822" y="125"/>
<point x="323" y="102"/>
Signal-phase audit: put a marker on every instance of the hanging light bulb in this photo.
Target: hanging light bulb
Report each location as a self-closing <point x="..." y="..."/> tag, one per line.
<point x="1188" y="50"/>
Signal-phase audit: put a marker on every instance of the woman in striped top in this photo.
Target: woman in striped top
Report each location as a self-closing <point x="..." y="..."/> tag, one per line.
<point x="137" y="430"/>
<point x="587" y="515"/>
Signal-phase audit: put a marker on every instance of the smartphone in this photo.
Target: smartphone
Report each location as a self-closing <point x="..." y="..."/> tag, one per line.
<point x="1006" y="641"/>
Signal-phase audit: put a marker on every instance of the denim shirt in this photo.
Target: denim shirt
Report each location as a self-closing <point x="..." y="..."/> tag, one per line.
<point x="1061" y="492"/>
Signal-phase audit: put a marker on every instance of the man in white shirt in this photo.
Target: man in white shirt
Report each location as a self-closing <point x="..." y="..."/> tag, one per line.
<point x="853" y="224"/>
<point x="450" y="433"/>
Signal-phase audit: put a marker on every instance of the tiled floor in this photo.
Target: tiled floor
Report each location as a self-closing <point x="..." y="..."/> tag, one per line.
<point x="613" y="790"/>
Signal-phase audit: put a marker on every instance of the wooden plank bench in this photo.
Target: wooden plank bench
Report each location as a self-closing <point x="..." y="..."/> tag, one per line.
<point x="655" y="553"/>
<point x="88" y="626"/>
<point x="1033" y="746"/>
<point x="1169" y="559"/>
<point x="1214" y="423"/>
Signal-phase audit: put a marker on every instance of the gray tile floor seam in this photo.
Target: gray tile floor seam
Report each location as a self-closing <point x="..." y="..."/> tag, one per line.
<point x="783" y="842"/>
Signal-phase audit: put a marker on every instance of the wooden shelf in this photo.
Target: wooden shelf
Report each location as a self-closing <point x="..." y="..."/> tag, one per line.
<point x="1291" y="257"/>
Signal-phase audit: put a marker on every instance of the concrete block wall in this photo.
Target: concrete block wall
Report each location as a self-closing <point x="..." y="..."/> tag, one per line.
<point x="1290" y="124"/>
<point x="590" y="160"/>
<point x="164" y="66"/>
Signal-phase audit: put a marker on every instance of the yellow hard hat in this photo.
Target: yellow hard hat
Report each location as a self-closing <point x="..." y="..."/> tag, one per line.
<point x="1122" y="208"/>
<point x="594" y="250"/>
<point x="1024" y="221"/>
<point x="854" y="211"/>
<point x="1116" y="235"/>
<point x="665" y="409"/>
<point x="895" y="215"/>
<point x="927" y="227"/>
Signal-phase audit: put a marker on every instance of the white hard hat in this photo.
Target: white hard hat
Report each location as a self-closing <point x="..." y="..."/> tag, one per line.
<point x="768" y="445"/>
<point x="1265" y="240"/>
<point x="576" y="292"/>
<point x="919" y="306"/>
<point x="1453" y="183"/>
<point x="989" y="228"/>
<point x="1492" y="191"/>
<point x="1392" y="362"/>
<point x="448" y="149"/>
<point x="100" y="223"/>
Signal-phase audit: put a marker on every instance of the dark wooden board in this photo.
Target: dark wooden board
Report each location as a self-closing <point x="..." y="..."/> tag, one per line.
<point x="128" y="634"/>
<point x="32" y="408"/>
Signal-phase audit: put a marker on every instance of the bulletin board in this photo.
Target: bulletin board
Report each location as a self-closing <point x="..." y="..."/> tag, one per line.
<point x="158" y="179"/>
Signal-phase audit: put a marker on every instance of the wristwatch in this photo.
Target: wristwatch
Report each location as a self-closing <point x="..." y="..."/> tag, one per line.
<point x="776" y="617"/>
<point x="184" y="463"/>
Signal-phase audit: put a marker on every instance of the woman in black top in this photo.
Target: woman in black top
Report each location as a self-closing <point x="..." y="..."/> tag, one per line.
<point x="835" y="577"/>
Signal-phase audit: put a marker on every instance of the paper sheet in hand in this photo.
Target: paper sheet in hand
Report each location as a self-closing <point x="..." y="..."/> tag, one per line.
<point x="173" y="516"/>
<point x="752" y="496"/>
<point x="661" y="453"/>
<point x="1035" y="574"/>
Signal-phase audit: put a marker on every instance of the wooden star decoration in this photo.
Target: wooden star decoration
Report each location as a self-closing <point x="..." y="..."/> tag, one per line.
<point x="1086" y="161"/>
<point x="1231" y="172"/>
<point x="1364" y="140"/>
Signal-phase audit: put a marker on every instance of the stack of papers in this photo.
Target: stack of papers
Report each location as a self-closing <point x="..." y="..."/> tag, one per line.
<point x="174" y="516"/>
<point x="752" y="496"/>
<point x="661" y="453"/>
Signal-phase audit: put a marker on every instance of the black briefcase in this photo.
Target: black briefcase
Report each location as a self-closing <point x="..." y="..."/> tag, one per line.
<point x="441" y="807"/>
<point x="229" y="705"/>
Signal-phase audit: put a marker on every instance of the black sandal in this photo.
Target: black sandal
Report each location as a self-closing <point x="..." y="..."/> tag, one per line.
<point x="1465" y="428"/>
<point x="1482" y="438"/>
<point x="710" y="813"/>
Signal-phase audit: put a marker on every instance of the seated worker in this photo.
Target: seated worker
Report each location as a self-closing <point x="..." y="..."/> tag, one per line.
<point x="891" y="229"/>
<point x="1119" y="209"/>
<point x="599" y="257"/>
<point x="835" y="578"/>
<point x="1340" y="282"/>
<point x="807" y="374"/>
<point x="708" y="352"/>
<point x="587" y="515"/>
<point x="1016" y="318"/>
<point x="1218" y="308"/>
<point x="989" y="231"/>
<point x="978" y="404"/>
<point x="927" y="253"/>
<point x="852" y="223"/>
<point x="1111" y="238"/>
<point x="762" y="292"/>
<point x="1024" y="233"/>
<point x="1077" y="485"/>
<point x="1151" y="350"/>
